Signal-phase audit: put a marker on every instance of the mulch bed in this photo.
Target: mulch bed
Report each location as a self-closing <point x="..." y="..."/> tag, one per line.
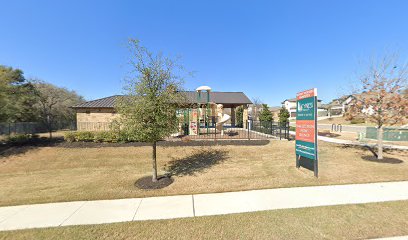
<point x="191" y="143"/>
<point x="59" y="142"/>
<point x="147" y="183"/>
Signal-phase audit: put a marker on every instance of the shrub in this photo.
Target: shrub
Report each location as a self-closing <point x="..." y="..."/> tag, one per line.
<point x="106" y="136"/>
<point x="125" y="136"/>
<point x="19" y="138"/>
<point x="84" y="136"/>
<point x="357" y="120"/>
<point x="70" y="136"/>
<point x="100" y="136"/>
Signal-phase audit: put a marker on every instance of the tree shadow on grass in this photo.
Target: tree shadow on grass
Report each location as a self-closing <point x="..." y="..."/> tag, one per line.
<point x="384" y="160"/>
<point x="373" y="149"/>
<point x="374" y="156"/>
<point x="14" y="149"/>
<point x="329" y="134"/>
<point x="196" y="163"/>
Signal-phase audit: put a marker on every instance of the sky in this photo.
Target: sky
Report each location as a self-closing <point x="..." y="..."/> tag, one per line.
<point x="267" y="49"/>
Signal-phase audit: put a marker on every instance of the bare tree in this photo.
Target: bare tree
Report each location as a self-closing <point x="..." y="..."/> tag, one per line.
<point x="53" y="103"/>
<point x="256" y="107"/>
<point x="380" y="99"/>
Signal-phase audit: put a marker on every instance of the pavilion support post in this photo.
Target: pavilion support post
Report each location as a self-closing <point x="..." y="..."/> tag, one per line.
<point x="233" y="116"/>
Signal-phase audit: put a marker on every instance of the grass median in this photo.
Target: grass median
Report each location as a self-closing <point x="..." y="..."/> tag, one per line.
<point x="54" y="174"/>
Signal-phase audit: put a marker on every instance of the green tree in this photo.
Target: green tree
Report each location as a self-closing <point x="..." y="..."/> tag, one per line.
<point x="16" y="96"/>
<point x="53" y="105"/>
<point x="265" y="115"/>
<point x="239" y="115"/>
<point x="148" y="112"/>
<point x="283" y="115"/>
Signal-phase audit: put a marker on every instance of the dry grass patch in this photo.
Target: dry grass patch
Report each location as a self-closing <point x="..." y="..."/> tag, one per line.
<point x="50" y="174"/>
<point x="362" y="221"/>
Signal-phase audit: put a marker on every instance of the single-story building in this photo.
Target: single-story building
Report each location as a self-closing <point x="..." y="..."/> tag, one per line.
<point x="98" y="114"/>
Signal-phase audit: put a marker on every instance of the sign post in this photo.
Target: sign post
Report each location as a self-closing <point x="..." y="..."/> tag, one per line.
<point x="306" y="130"/>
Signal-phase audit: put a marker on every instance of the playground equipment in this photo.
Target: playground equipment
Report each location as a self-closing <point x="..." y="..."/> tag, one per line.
<point x="204" y="116"/>
<point x="222" y="118"/>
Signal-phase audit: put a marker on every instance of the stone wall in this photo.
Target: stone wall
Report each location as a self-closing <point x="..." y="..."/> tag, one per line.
<point x="95" y="119"/>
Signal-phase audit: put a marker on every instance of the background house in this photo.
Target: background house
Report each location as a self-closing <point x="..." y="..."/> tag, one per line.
<point x="275" y="112"/>
<point x="290" y="105"/>
<point x="339" y="106"/>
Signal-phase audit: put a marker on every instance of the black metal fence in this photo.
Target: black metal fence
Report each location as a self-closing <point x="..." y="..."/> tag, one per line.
<point x="271" y="128"/>
<point x="251" y="130"/>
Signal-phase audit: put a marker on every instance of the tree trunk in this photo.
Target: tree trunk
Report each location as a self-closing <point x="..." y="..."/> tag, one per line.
<point x="154" y="178"/>
<point x="49" y="126"/>
<point x="50" y="131"/>
<point x="380" y="142"/>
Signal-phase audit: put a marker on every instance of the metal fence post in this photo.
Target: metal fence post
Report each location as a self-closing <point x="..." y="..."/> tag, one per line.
<point x="280" y="131"/>
<point x="247" y="124"/>
<point x="273" y="129"/>
<point x="215" y="132"/>
<point x="287" y="130"/>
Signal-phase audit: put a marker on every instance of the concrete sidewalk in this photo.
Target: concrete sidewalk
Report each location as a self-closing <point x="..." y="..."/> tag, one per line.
<point x="168" y="207"/>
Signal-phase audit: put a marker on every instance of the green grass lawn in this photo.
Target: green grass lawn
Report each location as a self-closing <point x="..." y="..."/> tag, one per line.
<point x="55" y="174"/>
<point x="361" y="221"/>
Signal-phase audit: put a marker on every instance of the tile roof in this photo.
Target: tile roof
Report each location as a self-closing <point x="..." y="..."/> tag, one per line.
<point x="237" y="98"/>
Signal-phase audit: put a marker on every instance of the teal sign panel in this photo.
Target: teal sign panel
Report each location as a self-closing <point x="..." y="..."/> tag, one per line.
<point x="305" y="109"/>
<point x="306" y="149"/>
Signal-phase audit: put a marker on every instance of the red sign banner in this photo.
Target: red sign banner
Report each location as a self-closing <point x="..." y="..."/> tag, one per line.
<point x="307" y="94"/>
<point x="305" y="130"/>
